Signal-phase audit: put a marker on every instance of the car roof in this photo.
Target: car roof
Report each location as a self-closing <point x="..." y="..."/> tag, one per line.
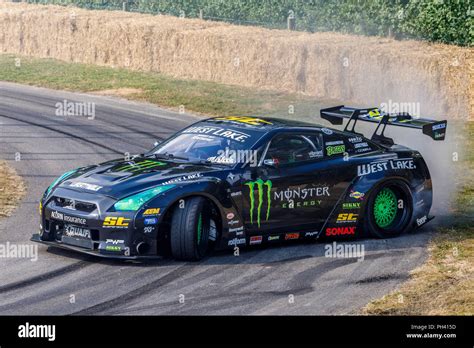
<point x="264" y="124"/>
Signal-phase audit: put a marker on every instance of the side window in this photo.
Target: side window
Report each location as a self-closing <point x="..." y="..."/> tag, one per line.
<point x="293" y="148"/>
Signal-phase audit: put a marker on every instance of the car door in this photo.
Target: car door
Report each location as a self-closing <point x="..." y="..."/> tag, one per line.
<point x="287" y="192"/>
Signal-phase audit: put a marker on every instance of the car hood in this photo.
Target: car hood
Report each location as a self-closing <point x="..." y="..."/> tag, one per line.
<point x="119" y="178"/>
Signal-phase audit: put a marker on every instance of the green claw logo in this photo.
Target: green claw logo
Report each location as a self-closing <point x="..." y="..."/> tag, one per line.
<point x="260" y="184"/>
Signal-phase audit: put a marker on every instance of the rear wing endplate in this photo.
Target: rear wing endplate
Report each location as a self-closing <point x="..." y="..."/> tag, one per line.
<point x="434" y="129"/>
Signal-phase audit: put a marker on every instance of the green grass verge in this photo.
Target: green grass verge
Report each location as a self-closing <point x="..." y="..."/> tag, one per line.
<point x="196" y="96"/>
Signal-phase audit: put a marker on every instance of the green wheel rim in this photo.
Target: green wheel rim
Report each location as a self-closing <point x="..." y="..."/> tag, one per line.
<point x="385" y="208"/>
<point x="199" y="228"/>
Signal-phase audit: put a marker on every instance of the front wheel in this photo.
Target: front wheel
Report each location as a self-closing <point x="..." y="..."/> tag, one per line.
<point x="190" y="229"/>
<point x="389" y="210"/>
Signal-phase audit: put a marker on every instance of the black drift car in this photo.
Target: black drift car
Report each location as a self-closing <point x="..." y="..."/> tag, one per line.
<point x="229" y="182"/>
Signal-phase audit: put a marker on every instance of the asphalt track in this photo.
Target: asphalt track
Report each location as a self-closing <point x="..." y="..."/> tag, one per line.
<point x="296" y="279"/>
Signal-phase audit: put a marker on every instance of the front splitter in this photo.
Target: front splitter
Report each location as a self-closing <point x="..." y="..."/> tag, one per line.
<point x="36" y="238"/>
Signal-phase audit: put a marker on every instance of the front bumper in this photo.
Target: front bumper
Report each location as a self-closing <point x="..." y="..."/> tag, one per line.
<point x="83" y="222"/>
<point x="36" y="238"/>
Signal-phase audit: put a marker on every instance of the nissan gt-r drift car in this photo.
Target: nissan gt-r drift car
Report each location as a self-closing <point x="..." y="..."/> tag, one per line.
<point x="230" y="182"/>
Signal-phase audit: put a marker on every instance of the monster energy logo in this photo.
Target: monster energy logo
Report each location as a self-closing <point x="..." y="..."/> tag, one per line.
<point x="260" y="184"/>
<point x="133" y="167"/>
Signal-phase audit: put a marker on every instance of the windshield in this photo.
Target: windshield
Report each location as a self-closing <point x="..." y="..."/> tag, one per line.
<point x="201" y="147"/>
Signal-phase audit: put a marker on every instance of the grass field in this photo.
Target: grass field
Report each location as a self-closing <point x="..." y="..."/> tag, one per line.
<point x="196" y="96"/>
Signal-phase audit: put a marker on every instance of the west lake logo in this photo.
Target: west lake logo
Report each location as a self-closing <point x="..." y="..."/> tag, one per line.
<point x="261" y="186"/>
<point x="384" y="165"/>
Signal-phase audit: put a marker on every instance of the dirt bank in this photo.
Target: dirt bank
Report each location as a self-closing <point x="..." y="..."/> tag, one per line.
<point x="362" y="70"/>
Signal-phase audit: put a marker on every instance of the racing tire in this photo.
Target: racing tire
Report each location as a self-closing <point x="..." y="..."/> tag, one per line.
<point x="389" y="210"/>
<point x="190" y="227"/>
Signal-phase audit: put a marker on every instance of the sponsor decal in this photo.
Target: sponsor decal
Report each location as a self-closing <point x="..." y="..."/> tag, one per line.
<point x="363" y="149"/>
<point x="351" y="205"/>
<point x="152" y="211"/>
<point x="233" y="222"/>
<point x="301" y="193"/>
<point x="311" y="234"/>
<point x="290" y="236"/>
<point x="341" y="218"/>
<point x="183" y="178"/>
<point x="74" y="231"/>
<point x="67" y="218"/>
<point x="439" y="126"/>
<point x="326" y="131"/>
<point x="57" y="215"/>
<point x="355" y="140"/>
<point x="420" y="203"/>
<point x="238" y="229"/>
<point x="360" y="145"/>
<point x="340" y="231"/>
<point x="232" y="179"/>
<point x="235" y="194"/>
<point x="304" y="204"/>
<point x="150" y="221"/>
<point x="114" y="248"/>
<point x="253" y="121"/>
<point x="380" y="166"/>
<point x="219" y="132"/>
<point x="86" y="186"/>
<point x="260" y="184"/>
<point x="335" y="150"/>
<point x="255" y="240"/>
<point x="236" y="241"/>
<point x="335" y="142"/>
<point x="374" y="114"/>
<point x="231" y="156"/>
<point x="230" y="216"/>
<point x="115" y="222"/>
<point x="133" y="166"/>
<point x="273" y="238"/>
<point x="421" y="220"/>
<point x="148" y="229"/>
<point x="357" y="195"/>
<point x="115" y="241"/>
<point x="315" y="154"/>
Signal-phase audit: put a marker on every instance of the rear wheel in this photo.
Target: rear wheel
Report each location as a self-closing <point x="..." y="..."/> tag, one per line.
<point x="190" y="228"/>
<point x="389" y="210"/>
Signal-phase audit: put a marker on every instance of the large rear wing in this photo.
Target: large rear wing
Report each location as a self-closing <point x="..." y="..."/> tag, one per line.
<point x="434" y="129"/>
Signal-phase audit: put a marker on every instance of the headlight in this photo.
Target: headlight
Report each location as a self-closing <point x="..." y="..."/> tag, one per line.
<point x="133" y="203"/>
<point x="58" y="180"/>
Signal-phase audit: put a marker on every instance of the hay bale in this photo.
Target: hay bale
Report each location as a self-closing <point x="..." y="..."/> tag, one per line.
<point x="362" y="70"/>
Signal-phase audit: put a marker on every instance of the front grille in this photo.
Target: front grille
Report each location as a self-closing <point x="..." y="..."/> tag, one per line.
<point x="74" y="204"/>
